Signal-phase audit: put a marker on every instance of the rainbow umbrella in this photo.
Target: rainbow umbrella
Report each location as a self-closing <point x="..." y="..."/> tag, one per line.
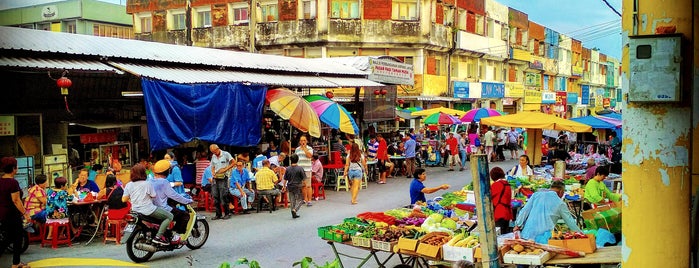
<point x="333" y="114"/>
<point x="441" y="118"/>
<point x="477" y="114"/>
<point x="412" y="109"/>
<point x="297" y="110"/>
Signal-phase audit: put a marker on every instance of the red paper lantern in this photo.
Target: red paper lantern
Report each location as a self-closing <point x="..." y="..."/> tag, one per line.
<point x="64" y="83"/>
<point x="377" y="92"/>
<point x="329" y="94"/>
<point x="383" y="92"/>
<point x="400" y="101"/>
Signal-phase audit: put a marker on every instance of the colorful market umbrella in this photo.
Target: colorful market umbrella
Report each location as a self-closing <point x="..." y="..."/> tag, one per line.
<point x="536" y="120"/>
<point x="477" y="114"/>
<point x="297" y="110"/>
<point x="441" y="119"/>
<point x="333" y="114"/>
<point x="412" y="109"/>
<point x="595" y="122"/>
<point x="437" y="110"/>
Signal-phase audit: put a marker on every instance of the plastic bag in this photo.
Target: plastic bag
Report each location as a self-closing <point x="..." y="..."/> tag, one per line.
<point x="604" y="237"/>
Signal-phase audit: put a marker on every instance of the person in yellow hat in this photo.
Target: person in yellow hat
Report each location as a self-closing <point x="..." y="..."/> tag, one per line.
<point x="163" y="191"/>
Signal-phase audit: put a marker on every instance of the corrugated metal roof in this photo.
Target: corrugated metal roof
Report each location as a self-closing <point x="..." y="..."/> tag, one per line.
<point x="197" y="76"/>
<point x="56" y="64"/>
<point x="352" y="82"/>
<point x="12" y="38"/>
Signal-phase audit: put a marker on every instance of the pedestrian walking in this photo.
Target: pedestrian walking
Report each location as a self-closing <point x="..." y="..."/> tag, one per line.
<point x="293" y="179"/>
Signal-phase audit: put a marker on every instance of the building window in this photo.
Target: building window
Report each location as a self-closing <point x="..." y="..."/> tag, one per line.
<point x="404" y="10"/>
<point x="437" y="67"/>
<point x="44" y="26"/>
<point x="491" y="28"/>
<point x="203" y="17"/>
<point x="270" y="13"/>
<point x="345" y="9"/>
<point x="143" y="23"/>
<point x="107" y="30"/>
<point x="480" y="25"/>
<point x="239" y="13"/>
<point x="70" y="27"/>
<point x="462" y="19"/>
<point x="308" y="9"/>
<point x="176" y="20"/>
<point x="448" y="16"/>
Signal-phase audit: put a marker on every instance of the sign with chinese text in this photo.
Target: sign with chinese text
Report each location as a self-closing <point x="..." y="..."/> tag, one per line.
<point x="532" y="96"/>
<point x="585" y="95"/>
<point x="391" y="72"/>
<point x="7" y="125"/>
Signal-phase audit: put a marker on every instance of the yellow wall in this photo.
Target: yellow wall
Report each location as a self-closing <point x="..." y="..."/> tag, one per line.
<point x="656" y="150"/>
<point x="434" y="85"/>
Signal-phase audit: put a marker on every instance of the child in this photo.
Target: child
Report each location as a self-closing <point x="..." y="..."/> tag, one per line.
<point x="140" y="193"/>
<point x="292" y="179"/>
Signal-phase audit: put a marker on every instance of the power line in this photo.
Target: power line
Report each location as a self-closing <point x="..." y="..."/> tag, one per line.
<point x="593" y="26"/>
<point x="610" y="6"/>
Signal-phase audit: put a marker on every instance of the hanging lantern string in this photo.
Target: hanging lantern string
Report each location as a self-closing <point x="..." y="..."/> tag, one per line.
<point x="63" y="74"/>
<point x="65" y="99"/>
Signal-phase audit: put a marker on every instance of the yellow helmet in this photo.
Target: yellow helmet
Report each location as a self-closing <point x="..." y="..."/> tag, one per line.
<point x="161" y="166"/>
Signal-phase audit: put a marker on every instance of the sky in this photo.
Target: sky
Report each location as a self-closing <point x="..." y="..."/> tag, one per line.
<point x="578" y="18"/>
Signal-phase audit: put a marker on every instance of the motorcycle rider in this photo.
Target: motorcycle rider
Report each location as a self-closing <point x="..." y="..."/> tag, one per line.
<point x="164" y="191"/>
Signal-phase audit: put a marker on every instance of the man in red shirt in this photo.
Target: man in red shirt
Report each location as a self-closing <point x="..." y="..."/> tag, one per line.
<point x="382" y="157"/>
<point x="453" y="144"/>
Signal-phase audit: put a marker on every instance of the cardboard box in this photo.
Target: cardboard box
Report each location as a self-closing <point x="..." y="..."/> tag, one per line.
<point x="452" y="253"/>
<point x="586" y="245"/>
<point x="527" y="259"/>
<point x="407" y="244"/>
<point x="433" y="251"/>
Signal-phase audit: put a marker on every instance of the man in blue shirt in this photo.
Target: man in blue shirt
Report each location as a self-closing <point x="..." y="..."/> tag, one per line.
<point x="257" y="161"/>
<point x="163" y="192"/>
<point x="409" y="149"/>
<point x="418" y="189"/>
<point x="241" y="187"/>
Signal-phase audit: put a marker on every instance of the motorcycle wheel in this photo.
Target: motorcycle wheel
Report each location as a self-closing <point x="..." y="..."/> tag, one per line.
<point x="200" y="233"/>
<point x="25" y="244"/>
<point x="137" y="255"/>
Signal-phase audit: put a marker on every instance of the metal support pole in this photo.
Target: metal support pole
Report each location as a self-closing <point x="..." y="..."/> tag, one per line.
<point x="484" y="210"/>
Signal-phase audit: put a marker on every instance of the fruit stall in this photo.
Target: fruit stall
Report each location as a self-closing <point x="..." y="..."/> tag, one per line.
<point x="444" y="230"/>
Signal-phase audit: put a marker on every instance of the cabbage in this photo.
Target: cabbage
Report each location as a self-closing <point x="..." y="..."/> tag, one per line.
<point x="436" y="217"/>
<point x="448" y="223"/>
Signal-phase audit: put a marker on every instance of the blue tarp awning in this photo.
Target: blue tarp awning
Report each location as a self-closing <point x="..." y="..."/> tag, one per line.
<point x="594" y="122"/>
<point x="223" y="113"/>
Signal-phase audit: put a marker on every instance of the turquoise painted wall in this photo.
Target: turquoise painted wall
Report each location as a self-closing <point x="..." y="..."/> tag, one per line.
<point x="96" y="11"/>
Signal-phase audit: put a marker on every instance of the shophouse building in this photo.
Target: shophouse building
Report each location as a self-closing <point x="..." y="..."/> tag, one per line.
<point x="89" y="17"/>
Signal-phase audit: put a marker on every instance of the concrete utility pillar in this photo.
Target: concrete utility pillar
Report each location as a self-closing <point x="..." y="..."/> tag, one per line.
<point x="656" y="144"/>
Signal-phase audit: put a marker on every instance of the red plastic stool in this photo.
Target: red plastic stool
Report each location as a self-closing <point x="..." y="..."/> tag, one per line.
<point x="112" y="230"/>
<point x="284" y="200"/>
<point x="235" y="204"/>
<point x="318" y="190"/>
<point x="38" y="232"/>
<point x="60" y="233"/>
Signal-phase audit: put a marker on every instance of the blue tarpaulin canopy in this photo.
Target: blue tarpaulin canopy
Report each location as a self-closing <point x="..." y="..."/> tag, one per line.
<point x="594" y="122"/>
<point x="223" y="113"/>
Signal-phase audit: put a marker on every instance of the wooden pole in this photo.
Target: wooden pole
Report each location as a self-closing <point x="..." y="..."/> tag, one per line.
<point x="484" y="210"/>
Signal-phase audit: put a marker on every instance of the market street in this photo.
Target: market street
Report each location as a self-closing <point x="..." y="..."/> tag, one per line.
<point x="274" y="239"/>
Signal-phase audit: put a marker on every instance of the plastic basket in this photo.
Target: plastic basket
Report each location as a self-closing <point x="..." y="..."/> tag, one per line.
<point x="322" y="231"/>
<point x="332" y="235"/>
<point x="383" y="246"/>
<point x="361" y="241"/>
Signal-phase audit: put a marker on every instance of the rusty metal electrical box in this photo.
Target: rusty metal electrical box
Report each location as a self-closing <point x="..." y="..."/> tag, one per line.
<point x="654" y="64"/>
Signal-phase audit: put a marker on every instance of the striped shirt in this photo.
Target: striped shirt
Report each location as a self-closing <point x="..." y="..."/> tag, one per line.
<point x="372" y="148"/>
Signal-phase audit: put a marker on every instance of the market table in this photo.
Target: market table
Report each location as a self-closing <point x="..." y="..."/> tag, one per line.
<point x="406" y="257"/>
<point x="605" y="255"/>
<point x="398" y="162"/>
<point x="82" y="215"/>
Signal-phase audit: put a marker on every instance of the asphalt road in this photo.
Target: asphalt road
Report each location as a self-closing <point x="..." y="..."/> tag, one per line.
<point x="273" y="239"/>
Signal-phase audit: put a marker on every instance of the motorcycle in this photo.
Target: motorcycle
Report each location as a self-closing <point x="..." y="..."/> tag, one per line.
<point x="141" y="229"/>
<point x="6" y="244"/>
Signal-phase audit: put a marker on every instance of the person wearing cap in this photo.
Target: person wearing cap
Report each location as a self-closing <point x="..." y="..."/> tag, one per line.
<point x="11" y="208"/>
<point x="175" y="176"/>
<point x="142" y="195"/>
<point x="221" y="163"/>
<point x="164" y="191"/>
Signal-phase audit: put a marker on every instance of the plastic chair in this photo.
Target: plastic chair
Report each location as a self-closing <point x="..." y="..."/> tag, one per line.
<point x="112" y="230"/>
<point x="284" y="200"/>
<point x="60" y="233"/>
<point x="364" y="182"/>
<point x="318" y="190"/>
<point x="38" y="234"/>
<point x="341" y="179"/>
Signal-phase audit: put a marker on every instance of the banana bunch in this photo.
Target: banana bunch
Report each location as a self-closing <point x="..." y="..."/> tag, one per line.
<point x="461" y="240"/>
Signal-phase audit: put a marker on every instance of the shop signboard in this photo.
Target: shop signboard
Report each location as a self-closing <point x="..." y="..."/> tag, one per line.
<point x="507" y="101"/>
<point x="532" y="79"/>
<point x="461" y="89"/>
<point x="7" y="125"/>
<point x="537" y="63"/>
<point x="612" y="102"/>
<point x="548" y="97"/>
<point x="572" y="98"/>
<point x="606" y="102"/>
<point x="561" y="103"/>
<point x="492" y="90"/>
<point x="577" y="71"/>
<point x="532" y="96"/>
<point x="585" y="95"/>
<point x="391" y="72"/>
<point x="599" y="97"/>
<point x="474" y="90"/>
<point x="514" y="90"/>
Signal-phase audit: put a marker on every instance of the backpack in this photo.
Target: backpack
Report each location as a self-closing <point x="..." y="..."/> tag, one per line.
<point x="478" y="142"/>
